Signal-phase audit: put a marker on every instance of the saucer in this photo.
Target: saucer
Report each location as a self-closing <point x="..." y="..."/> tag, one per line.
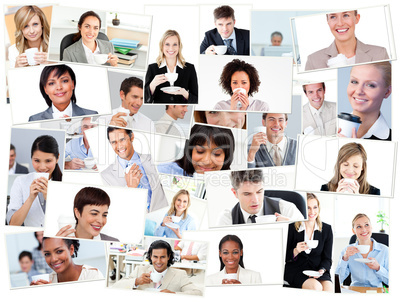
<point x="312" y="273"/>
<point x="172" y="225"/>
<point x="364" y="260"/>
<point x="171" y="89"/>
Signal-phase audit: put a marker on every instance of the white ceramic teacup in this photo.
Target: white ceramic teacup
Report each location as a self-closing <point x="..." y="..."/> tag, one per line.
<point x="101" y="58"/>
<point x="156" y="277"/>
<point x="45" y="277"/>
<point x="220" y="49"/>
<point x="65" y="220"/>
<point x="266" y="219"/>
<point x="230" y="276"/>
<point x="176" y="219"/>
<point x="363" y="249"/>
<point x="171" y="77"/>
<point x="30" y="53"/>
<point x="312" y="244"/>
<point x="41" y="174"/>
<point x="90" y="162"/>
<point x="241" y="90"/>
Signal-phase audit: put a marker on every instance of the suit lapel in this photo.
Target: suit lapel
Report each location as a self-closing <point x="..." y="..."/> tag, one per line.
<point x="218" y="38"/>
<point x="332" y="51"/>
<point x="47" y="114"/>
<point x="168" y="278"/>
<point x="239" y="41"/>
<point x="77" y="111"/>
<point x="79" y="52"/>
<point x="361" y="53"/>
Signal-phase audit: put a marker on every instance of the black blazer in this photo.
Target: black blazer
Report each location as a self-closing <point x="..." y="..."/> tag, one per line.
<point x="19" y="169"/>
<point x="187" y="79"/>
<point x="320" y="257"/>
<point x="212" y="37"/>
<point x="372" y="191"/>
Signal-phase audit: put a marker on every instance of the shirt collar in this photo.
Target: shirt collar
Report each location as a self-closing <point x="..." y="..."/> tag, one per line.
<point x="163" y="64"/>
<point x="281" y="144"/>
<point x="232" y="36"/>
<point x="98" y="237"/>
<point x="303" y="227"/>
<point x="134" y="159"/>
<point x="313" y="110"/>
<point x="247" y="215"/>
<point x="82" y="140"/>
<point x="87" y="49"/>
<point x="379" y="129"/>
<point x="68" y="111"/>
<point x="163" y="273"/>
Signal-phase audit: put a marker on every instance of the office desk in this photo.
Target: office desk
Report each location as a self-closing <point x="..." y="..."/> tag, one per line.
<point x="362" y="289"/>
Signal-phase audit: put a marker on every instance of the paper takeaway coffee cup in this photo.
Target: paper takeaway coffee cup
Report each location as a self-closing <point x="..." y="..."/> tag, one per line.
<point x="65" y="220"/>
<point x="126" y="111"/>
<point x="347" y="122"/>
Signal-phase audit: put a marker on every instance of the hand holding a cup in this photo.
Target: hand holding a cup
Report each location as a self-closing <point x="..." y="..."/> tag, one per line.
<point x="74" y="164"/>
<point x="118" y="119"/>
<point x="133" y="176"/>
<point x="21" y="60"/>
<point x="158" y="79"/>
<point x="112" y="59"/>
<point x="145" y="278"/>
<point x="40" y="282"/>
<point x="239" y="100"/>
<point x="350" y="251"/>
<point x="280" y="217"/>
<point x="167" y="219"/>
<point x="40" y="57"/>
<point x="230" y="281"/>
<point x="38" y="185"/>
<point x="66" y="231"/>
<point x="300" y="247"/>
<point x="210" y="50"/>
<point x="354" y="133"/>
<point x="259" y="139"/>
<point x="348" y="186"/>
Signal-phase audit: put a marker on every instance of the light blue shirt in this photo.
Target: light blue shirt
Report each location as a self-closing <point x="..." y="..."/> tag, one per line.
<point x="75" y="148"/>
<point x="361" y="274"/>
<point x="171" y="168"/>
<point x="187" y="224"/>
<point x="144" y="182"/>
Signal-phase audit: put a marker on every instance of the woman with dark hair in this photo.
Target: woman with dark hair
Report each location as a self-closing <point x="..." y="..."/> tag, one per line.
<point x="240" y="80"/>
<point x="91" y="207"/>
<point x="31" y="31"/>
<point x="57" y="85"/>
<point x="171" y="67"/>
<point x="302" y="255"/>
<point x="231" y="119"/>
<point x="39" y="262"/>
<point x="58" y="254"/>
<point x="86" y="45"/>
<point x="207" y="149"/>
<point x="351" y="172"/>
<point x="178" y="210"/>
<point x="232" y="266"/>
<point x="29" y="192"/>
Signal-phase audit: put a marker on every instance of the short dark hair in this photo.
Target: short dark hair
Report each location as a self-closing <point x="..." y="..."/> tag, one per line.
<point x="238" y="65"/>
<point x="68" y="242"/>
<point x="276" y="33"/>
<point x="264" y="116"/>
<point x="305" y="85"/>
<point x="201" y="134"/>
<point x="239" y="177"/>
<point x="90" y="196"/>
<point x="12" y="147"/>
<point x="59" y="71"/>
<point x="224" y="11"/>
<point x="127" y="83"/>
<point x="161" y="244"/>
<point x="111" y="129"/>
<point x="233" y="238"/>
<point x="25" y="254"/>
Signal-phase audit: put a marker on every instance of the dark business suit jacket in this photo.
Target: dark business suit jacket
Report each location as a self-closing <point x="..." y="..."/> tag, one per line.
<point x="48" y="113"/>
<point x="19" y="169"/>
<point x="212" y="37"/>
<point x="320" y="257"/>
<point x="372" y="191"/>
<point x="107" y="238"/>
<point x="187" y="79"/>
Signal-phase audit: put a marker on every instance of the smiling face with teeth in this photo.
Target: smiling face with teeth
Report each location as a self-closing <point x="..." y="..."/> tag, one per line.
<point x="315" y="94"/>
<point x="89" y="30"/>
<point x="91" y="221"/>
<point x="133" y="100"/>
<point x="230" y="254"/>
<point x="59" y="89"/>
<point x="275" y="124"/>
<point x="171" y="47"/>
<point x="160" y="259"/>
<point x="57" y="254"/>
<point x="367" y="90"/>
<point x="342" y="25"/>
<point x="122" y="143"/>
<point x="313" y="209"/>
<point x="363" y="230"/>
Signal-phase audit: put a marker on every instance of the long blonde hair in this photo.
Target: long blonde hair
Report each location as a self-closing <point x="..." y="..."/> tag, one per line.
<point x="161" y="56"/>
<point x="21" y="19"/>
<point x="347" y="151"/>
<point x="172" y="209"/>
<point x="318" y="219"/>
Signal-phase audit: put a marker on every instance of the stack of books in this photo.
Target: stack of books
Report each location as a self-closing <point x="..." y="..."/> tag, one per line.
<point x="125" y="51"/>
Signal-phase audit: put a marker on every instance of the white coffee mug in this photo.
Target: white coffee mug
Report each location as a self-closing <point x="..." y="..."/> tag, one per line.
<point x="30" y="53"/>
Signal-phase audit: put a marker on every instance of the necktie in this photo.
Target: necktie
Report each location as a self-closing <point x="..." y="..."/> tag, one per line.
<point x="190" y="249"/>
<point x="228" y="43"/>
<point x="252" y="218"/>
<point x="276" y="156"/>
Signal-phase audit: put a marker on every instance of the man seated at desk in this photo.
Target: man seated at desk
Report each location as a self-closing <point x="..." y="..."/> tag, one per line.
<point x="77" y="149"/>
<point x="160" y="256"/>
<point x="248" y="187"/>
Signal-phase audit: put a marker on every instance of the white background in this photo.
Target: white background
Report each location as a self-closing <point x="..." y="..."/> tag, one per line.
<point x="317" y="156"/>
<point x="91" y="90"/>
<point x="97" y="290"/>
<point x="126" y="217"/>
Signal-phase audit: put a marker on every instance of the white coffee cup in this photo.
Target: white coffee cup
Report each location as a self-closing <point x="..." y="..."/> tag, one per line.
<point x="45" y="277"/>
<point x="90" y="162"/>
<point x="241" y="90"/>
<point x="65" y="220"/>
<point x="41" y="174"/>
<point x="100" y="58"/>
<point x="312" y="244"/>
<point x="30" y="53"/>
<point x="265" y="219"/>
<point x="230" y="276"/>
<point x="124" y="110"/>
<point x="156" y="277"/>
<point x="347" y="122"/>
<point x="176" y="219"/>
<point x="171" y="77"/>
<point x="363" y="249"/>
<point x="220" y="49"/>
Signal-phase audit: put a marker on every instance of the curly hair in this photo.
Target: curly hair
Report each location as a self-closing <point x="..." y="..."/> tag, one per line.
<point x="238" y="65"/>
<point x="161" y="244"/>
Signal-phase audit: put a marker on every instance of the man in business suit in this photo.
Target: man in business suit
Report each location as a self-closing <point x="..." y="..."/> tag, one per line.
<point x="237" y="40"/>
<point x="161" y="257"/>
<point x="319" y="116"/>
<point x="167" y="123"/>
<point x="132" y="98"/>
<point x="248" y="187"/>
<point x="132" y="169"/>
<point x="13" y="166"/>
<point x="272" y="148"/>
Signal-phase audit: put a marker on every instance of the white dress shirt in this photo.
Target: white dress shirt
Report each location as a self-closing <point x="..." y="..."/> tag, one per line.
<point x="199" y="249"/>
<point x="316" y="113"/>
<point x="12" y="170"/>
<point x="303" y="228"/>
<point x="59" y="114"/>
<point x="89" y="54"/>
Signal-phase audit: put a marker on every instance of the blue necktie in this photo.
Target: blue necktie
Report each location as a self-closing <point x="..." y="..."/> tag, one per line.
<point x="228" y="43"/>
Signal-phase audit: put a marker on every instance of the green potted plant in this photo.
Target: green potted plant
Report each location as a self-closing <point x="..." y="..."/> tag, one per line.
<point x="382" y="218"/>
<point x="116" y="21"/>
